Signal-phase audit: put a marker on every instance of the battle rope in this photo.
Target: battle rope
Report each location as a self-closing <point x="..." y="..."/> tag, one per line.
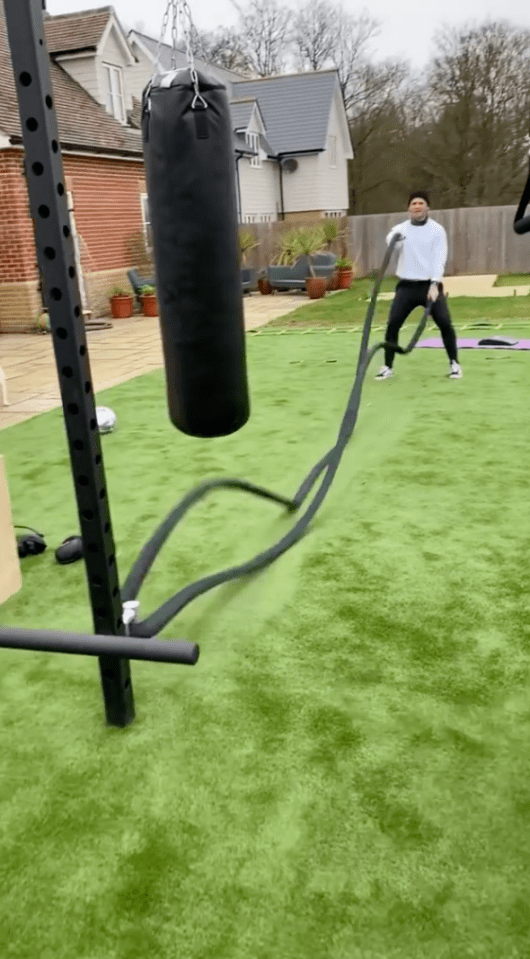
<point x="330" y="462"/>
<point x="521" y="223"/>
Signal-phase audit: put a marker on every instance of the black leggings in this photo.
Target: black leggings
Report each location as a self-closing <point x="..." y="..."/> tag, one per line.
<point x="409" y="295"/>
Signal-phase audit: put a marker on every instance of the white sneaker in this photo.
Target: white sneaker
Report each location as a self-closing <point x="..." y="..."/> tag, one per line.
<point x="456" y="371"/>
<point x="384" y="373"/>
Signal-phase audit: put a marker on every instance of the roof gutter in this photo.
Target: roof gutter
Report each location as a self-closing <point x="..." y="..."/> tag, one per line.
<point x="15" y="143"/>
<point x="74" y="54"/>
<point x="300" y="153"/>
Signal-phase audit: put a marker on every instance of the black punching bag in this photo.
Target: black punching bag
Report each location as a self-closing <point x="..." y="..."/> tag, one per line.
<point x="190" y="174"/>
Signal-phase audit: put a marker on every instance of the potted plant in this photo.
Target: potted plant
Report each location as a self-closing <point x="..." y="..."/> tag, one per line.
<point x="309" y="242"/>
<point x="42" y="321"/>
<point x="148" y="300"/>
<point x="121" y="303"/>
<point x="264" y="286"/>
<point x="287" y="253"/>
<point x="332" y="233"/>
<point x="247" y="242"/>
<point x="345" y="270"/>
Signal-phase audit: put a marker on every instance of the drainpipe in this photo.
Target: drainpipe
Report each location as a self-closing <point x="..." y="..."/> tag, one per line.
<point x="239" y="212"/>
<point x="282" y="204"/>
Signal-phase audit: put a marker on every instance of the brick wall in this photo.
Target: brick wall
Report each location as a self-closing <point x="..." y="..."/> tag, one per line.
<point x="108" y="216"/>
<point x="20" y="301"/>
<point x="17" y="247"/>
<point x="106" y="197"/>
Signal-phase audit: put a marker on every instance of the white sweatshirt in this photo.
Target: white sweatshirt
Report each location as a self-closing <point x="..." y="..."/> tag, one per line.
<point x="422" y="255"/>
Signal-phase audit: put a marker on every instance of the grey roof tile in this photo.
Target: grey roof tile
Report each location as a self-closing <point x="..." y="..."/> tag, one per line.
<point x="295" y="108"/>
<point x="224" y="76"/>
<point x="241" y="112"/>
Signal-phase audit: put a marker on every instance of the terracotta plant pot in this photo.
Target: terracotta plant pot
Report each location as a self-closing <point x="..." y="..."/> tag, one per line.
<point x="316" y="286"/>
<point x="264" y="286"/>
<point x="121" y="307"/>
<point x="149" y="304"/>
<point x="334" y="283"/>
<point x="345" y="279"/>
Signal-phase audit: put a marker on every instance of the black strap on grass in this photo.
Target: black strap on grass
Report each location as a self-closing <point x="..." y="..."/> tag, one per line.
<point x="328" y="465"/>
<point x="521" y="223"/>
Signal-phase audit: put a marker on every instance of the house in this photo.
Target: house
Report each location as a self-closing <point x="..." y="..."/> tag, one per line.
<point x="102" y="159"/>
<point x="291" y="144"/>
<point x="296" y="127"/>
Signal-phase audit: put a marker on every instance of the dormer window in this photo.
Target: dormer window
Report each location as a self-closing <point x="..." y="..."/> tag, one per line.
<point x="253" y="142"/>
<point x="114" y="98"/>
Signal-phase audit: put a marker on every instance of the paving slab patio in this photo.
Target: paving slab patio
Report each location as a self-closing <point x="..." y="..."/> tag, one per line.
<point x="130" y="348"/>
<point x="474" y="286"/>
<point x="133" y="346"/>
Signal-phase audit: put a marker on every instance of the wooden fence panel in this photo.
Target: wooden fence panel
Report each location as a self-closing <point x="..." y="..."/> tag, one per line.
<point x="481" y="241"/>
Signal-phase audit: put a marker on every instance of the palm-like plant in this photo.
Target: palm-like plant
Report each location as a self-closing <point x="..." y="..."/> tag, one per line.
<point x="310" y="242"/>
<point x="331" y="232"/>
<point x="247" y="242"/>
<point x="288" y="248"/>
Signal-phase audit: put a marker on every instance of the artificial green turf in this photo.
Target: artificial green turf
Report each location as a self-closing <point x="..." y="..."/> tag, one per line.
<point x="346" y="772"/>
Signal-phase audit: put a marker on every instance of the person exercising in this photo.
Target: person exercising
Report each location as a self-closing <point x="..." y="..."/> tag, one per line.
<point x="422" y="256"/>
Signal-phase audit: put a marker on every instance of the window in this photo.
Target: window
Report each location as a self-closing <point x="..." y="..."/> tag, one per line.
<point x="146" y="221"/>
<point x="253" y="142"/>
<point x="114" y="98"/>
<point x="258" y="218"/>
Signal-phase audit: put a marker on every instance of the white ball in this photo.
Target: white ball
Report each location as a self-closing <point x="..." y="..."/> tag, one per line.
<point x="106" y="418"/>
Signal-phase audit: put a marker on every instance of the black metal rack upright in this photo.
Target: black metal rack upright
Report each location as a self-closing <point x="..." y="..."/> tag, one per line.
<point x="56" y="258"/>
<point x="55" y="251"/>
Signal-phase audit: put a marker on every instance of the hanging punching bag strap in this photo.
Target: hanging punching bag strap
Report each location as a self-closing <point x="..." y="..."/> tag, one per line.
<point x="521" y="223"/>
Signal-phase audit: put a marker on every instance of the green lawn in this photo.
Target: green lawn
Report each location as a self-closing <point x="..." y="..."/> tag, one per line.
<point x="513" y="279"/>
<point x="346" y="772"/>
<point x="349" y="307"/>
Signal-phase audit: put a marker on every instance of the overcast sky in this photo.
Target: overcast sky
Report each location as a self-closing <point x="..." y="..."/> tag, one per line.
<point x="407" y="26"/>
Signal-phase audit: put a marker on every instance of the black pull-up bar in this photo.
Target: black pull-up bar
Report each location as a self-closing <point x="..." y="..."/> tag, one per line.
<point x="84" y="644"/>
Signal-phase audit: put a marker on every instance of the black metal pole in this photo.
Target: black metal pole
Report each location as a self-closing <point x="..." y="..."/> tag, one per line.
<point x="55" y="251"/>
<point x="83" y="644"/>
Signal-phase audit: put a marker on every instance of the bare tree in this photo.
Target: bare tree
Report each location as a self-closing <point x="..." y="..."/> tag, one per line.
<point x="222" y="47"/>
<point x="265" y="32"/>
<point x="350" y="52"/>
<point x="479" y="87"/>
<point x="315" y="33"/>
<point x="378" y="175"/>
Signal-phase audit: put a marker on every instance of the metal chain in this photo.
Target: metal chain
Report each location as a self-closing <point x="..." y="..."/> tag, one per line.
<point x="174" y="35"/>
<point x="180" y="8"/>
<point x="187" y="23"/>
<point x="170" y="5"/>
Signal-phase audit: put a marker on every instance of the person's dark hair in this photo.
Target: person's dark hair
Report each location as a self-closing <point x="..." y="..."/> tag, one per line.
<point x="421" y="194"/>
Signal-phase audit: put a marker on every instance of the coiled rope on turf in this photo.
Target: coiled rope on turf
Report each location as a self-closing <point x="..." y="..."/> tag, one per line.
<point x="328" y="465"/>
